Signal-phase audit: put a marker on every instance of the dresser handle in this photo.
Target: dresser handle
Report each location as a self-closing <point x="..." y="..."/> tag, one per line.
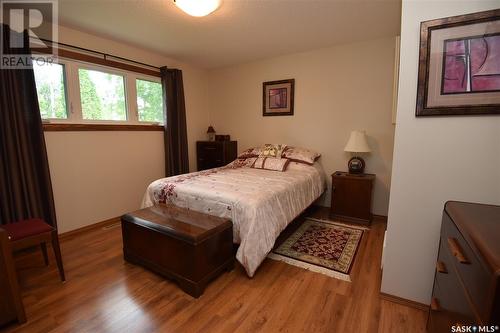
<point x="435" y="304"/>
<point x="457" y="251"/>
<point x="441" y="267"/>
<point x="210" y="148"/>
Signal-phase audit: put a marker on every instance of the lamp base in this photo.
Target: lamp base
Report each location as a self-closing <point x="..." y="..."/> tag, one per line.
<point x="356" y="165"/>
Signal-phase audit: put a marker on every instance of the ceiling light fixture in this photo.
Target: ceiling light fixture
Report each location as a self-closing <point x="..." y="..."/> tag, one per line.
<point x="198" y="8"/>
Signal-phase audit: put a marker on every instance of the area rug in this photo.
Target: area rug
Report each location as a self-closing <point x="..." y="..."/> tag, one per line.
<point x="321" y="246"/>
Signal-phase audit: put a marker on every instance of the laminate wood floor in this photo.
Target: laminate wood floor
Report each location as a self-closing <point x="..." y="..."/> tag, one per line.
<point x="105" y="294"/>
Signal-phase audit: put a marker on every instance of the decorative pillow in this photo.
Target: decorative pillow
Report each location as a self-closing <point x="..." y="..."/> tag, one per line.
<point x="271" y="163"/>
<point x="301" y="155"/>
<point x="250" y="152"/>
<point x="242" y="162"/>
<point x="272" y="150"/>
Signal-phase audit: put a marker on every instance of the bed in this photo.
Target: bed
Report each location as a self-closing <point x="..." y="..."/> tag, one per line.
<point x="261" y="203"/>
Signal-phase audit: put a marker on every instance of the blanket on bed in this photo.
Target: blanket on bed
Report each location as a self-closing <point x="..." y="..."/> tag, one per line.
<point x="260" y="203"/>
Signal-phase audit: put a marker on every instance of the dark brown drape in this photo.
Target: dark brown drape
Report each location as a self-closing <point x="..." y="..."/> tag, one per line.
<point x="176" y="146"/>
<point x="25" y="187"/>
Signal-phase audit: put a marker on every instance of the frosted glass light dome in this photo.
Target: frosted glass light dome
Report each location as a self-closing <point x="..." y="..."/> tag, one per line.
<point x="198" y="8"/>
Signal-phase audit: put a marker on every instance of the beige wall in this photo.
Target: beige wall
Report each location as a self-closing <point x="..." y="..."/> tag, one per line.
<point x="337" y="90"/>
<point x="101" y="175"/>
<point x="435" y="160"/>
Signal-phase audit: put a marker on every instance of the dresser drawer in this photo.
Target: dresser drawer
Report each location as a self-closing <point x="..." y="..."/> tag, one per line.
<point x="473" y="273"/>
<point x="449" y="305"/>
<point x="210" y="151"/>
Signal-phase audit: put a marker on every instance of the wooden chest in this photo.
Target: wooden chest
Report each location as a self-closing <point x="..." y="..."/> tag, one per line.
<point x="183" y="245"/>
<point x="466" y="285"/>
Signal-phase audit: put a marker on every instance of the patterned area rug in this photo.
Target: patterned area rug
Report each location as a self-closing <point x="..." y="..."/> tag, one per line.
<point x="322" y="246"/>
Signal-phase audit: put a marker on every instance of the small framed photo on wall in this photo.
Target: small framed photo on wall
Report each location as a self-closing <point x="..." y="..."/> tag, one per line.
<point x="278" y="98"/>
<point x="459" y="65"/>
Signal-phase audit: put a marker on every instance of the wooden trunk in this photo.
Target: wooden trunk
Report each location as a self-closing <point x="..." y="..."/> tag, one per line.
<point x="183" y="245"/>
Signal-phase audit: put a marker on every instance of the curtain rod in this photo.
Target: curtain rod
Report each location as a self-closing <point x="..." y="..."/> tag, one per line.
<point x="105" y="55"/>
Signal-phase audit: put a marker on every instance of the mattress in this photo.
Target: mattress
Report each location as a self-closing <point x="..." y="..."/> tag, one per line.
<point x="260" y="203"/>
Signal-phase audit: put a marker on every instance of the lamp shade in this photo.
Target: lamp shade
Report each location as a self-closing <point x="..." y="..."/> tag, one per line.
<point x="357" y="143"/>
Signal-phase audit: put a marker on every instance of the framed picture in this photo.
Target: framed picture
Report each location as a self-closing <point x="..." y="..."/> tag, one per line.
<point x="278" y="98"/>
<point x="459" y="66"/>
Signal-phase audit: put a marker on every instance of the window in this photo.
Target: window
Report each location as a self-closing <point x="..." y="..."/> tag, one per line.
<point x="51" y="90"/>
<point x="76" y="92"/>
<point x="102" y="95"/>
<point x="149" y="101"/>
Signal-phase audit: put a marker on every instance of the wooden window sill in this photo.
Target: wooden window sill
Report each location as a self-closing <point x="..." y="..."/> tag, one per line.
<point x="48" y="127"/>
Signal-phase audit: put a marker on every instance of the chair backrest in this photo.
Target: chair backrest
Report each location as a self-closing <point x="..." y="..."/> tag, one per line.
<point x="11" y="306"/>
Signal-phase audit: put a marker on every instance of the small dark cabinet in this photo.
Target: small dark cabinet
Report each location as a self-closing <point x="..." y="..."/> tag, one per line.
<point x="11" y="304"/>
<point x="466" y="284"/>
<point x="352" y="197"/>
<point x="214" y="154"/>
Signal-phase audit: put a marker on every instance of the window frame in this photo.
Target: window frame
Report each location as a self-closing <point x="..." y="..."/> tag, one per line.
<point x="73" y="99"/>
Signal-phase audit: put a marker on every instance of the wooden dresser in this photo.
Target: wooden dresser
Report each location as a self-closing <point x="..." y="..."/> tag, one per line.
<point x="214" y="154"/>
<point x="466" y="285"/>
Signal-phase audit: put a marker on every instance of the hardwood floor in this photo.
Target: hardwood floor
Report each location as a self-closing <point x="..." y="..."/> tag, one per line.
<point x="104" y="294"/>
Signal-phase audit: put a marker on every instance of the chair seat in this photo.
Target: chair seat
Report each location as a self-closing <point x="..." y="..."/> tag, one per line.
<point x="26" y="228"/>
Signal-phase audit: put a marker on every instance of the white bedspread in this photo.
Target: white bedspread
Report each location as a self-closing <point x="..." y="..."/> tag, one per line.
<point x="260" y="203"/>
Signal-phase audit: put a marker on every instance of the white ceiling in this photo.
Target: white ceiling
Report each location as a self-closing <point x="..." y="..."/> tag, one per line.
<point x="239" y="31"/>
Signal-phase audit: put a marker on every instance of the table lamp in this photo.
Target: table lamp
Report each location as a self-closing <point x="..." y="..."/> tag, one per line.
<point x="211" y="133"/>
<point x="357" y="144"/>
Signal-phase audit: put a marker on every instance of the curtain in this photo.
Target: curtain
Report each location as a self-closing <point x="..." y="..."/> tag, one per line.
<point x="25" y="186"/>
<point x="176" y="146"/>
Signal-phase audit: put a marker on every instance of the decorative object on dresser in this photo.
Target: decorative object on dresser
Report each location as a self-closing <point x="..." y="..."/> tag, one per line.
<point x="223" y="137"/>
<point x="211" y="133"/>
<point x="189" y="247"/>
<point x="11" y="305"/>
<point x="357" y="144"/>
<point x="466" y="284"/>
<point x="459" y="70"/>
<point x="278" y="98"/>
<point x="352" y="197"/>
<point x="214" y="154"/>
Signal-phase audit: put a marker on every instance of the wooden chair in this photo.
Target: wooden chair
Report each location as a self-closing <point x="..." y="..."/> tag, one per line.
<point x="11" y="305"/>
<point x="33" y="232"/>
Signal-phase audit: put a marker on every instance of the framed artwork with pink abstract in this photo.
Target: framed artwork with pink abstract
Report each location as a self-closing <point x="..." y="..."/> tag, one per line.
<point x="277" y="98"/>
<point x="459" y="65"/>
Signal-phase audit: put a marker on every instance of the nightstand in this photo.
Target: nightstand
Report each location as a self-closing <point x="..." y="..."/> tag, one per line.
<point x="214" y="154"/>
<point x="352" y="197"/>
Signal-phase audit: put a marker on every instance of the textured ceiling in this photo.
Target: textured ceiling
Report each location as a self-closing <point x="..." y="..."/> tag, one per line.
<point x="239" y="31"/>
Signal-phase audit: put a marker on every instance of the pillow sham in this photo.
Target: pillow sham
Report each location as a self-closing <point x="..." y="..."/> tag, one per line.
<point x="301" y="155"/>
<point x="272" y="150"/>
<point x="271" y="163"/>
<point x="250" y="152"/>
